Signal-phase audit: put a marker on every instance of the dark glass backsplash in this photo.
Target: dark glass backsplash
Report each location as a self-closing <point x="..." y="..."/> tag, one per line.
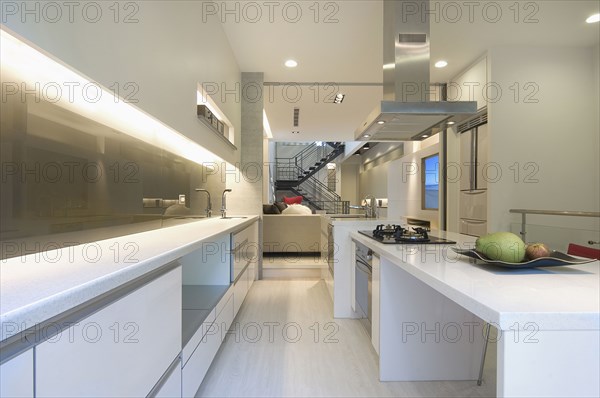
<point x="67" y="179"/>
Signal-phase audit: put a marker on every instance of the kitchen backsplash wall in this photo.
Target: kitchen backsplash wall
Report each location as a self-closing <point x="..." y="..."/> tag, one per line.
<point x="62" y="173"/>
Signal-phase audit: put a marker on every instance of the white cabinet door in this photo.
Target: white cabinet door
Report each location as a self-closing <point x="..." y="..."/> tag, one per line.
<point x="172" y="386"/>
<point x="120" y="351"/>
<point x="16" y="376"/>
<point x="375" y="312"/>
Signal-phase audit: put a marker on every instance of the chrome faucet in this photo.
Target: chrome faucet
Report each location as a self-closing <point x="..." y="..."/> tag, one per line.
<point x="224" y="204"/>
<point x="370" y="206"/>
<point x="209" y="205"/>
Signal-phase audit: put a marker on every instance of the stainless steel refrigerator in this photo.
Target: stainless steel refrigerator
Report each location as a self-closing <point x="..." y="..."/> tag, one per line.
<point x="473" y="182"/>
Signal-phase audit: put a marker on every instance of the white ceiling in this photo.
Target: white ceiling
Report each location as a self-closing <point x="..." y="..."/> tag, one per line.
<point x="348" y="49"/>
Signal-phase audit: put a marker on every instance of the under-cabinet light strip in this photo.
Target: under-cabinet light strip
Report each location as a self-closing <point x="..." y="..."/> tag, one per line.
<point x="41" y="74"/>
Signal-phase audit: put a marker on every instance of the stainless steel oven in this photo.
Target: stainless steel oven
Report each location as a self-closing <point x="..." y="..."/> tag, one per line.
<point x="363" y="284"/>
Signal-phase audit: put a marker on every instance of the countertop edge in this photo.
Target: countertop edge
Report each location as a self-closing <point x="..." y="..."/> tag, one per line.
<point x="584" y="320"/>
<point x="33" y="313"/>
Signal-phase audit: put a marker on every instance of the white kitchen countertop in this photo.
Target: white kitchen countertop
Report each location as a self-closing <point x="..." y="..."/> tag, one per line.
<point x="361" y="221"/>
<point x="36" y="287"/>
<point x="554" y="298"/>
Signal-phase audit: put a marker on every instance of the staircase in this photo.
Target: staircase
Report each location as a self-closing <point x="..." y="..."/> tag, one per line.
<point x="297" y="174"/>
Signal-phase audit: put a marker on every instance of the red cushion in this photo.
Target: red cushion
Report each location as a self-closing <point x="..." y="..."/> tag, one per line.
<point x="583" y="251"/>
<point x="295" y="200"/>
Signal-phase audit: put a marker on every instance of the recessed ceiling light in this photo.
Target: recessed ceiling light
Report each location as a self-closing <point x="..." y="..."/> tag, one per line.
<point x="594" y="18"/>
<point x="290" y="63"/>
<point x="450" y="123"/>
<point x="339" y="98"/>
<point x="380" y="122"/>
<point x="441" y="64"/>
<point x="425" y="135"/>
<point x="366" y="136"/>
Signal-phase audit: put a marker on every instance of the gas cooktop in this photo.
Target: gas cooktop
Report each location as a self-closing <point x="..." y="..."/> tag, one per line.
<point x="397" y="235"/>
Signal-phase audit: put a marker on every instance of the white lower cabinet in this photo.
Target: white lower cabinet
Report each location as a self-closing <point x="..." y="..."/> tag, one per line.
<point x="376" y="303"/>
<point x="16" y="376"/>
<point x="240" y="289"/>
<point x="120" y="351"/>
<point x="198" y="363"/>
<point x="172" y="386"/>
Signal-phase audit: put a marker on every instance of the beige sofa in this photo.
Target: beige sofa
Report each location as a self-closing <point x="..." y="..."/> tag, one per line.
<point x="293" y="233"/>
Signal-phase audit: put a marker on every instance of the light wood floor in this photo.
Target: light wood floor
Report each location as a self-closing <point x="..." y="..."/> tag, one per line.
<point x="339" y="361"/>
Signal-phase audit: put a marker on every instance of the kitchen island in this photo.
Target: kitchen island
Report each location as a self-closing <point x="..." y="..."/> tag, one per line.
<point x="434" y="304"/>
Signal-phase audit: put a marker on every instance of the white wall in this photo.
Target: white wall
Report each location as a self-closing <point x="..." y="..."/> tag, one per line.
<point x="404" y="182"/>
<point x="554" y="142"/>
<point x="349" y="182"/>
<point x="165" y="54"/>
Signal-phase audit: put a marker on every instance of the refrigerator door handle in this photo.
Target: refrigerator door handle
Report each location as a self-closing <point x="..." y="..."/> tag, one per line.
<point x="474" y="191"/>
<point x="473" y="221"/>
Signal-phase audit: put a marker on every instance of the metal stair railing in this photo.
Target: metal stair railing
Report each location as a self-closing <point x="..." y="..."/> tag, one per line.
<point x="312" y="156"/>
<point x="310" y="160"/>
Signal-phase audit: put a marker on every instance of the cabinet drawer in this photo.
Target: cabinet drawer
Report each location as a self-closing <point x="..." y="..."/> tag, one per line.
<point x="239" y="291"/>
<point x="195" y="340"/>
<point x="199" y="363"/>
<point x="195" y="369"/>
<point x="473" y="227"/>
<point x="244" y="247"/>
<point x="224" y="300"/>
<point x="225" y="318"/>
<point x="120" y="351"/>
<point x="473" y="205"/>
<point x="172" y="386"/>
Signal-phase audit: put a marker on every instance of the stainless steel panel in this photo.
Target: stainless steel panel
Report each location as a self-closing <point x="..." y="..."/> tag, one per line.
<point x="473" y="205"/>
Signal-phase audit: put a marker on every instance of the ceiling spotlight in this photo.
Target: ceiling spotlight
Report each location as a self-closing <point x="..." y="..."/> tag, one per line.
<point x="290" y="63"/>
<point x="339" y="98"/>
<point x="594" y="18"/>
<point x="441" y="64"/>
<point x="380" y="122"/>
<point x="450" y="123"/>
<point x="425" y="135"/>
<point x="366" y="136"/>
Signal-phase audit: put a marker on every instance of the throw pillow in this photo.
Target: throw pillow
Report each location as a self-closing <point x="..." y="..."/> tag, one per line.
<point x="280" y="205"/>
<point x="294" y="200"/>
<point x="271" y="209"/>
<point x="297" y="209"/>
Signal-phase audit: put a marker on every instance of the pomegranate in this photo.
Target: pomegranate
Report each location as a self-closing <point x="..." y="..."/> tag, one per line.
<point x="537" y="250"/>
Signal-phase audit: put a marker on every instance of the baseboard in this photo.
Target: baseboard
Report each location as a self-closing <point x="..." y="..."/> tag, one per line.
<point x="291" y="273"/>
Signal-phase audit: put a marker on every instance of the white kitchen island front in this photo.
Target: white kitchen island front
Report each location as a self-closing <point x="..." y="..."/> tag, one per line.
<point x="434" y="305"/>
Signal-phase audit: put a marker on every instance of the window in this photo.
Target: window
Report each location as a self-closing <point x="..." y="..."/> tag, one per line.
<point x="430" y="182"/>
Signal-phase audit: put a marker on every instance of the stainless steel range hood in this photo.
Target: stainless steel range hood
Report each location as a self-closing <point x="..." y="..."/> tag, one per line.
<point x="406" y="112"/>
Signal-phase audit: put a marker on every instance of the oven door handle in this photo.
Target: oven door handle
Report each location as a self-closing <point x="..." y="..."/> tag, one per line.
<point x="364" y="266"/>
